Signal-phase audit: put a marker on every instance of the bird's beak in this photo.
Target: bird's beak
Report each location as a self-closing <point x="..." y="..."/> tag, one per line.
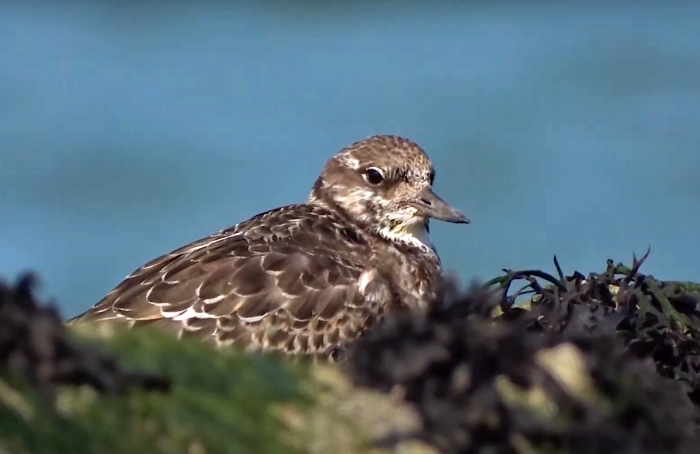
<point x="431" y="205"/>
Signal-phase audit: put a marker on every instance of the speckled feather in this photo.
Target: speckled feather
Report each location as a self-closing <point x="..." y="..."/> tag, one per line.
<point x="300" y="279"/>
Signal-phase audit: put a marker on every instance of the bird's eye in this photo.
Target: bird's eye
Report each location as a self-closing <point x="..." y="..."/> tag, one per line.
<point x="374" y="175"/>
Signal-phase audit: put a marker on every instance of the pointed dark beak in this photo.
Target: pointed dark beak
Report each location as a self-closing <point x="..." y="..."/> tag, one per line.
<point x="431" y="205"/>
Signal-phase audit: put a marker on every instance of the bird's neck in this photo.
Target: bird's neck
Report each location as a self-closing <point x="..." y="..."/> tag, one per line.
<point x="415" y="235"/>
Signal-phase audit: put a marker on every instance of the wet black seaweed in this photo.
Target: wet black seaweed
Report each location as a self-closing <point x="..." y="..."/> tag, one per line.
<point x="35" y="348"/>
<point x="636" y="336"/>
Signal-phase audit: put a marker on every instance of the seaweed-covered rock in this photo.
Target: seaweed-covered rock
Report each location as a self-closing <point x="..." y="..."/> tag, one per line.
<point x="35" y="347"/>
<point x="655" y="319"/>
<point x="556" y="378"/>
<point x="589" y="364"/>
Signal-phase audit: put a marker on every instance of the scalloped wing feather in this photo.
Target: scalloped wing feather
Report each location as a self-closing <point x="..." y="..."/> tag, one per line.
<point x="286" y="280"/>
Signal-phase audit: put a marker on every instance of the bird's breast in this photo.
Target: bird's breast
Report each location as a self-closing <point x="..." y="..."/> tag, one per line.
<point x="415" y="274"/>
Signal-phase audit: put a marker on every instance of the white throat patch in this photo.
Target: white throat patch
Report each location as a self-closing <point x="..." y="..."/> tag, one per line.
<point x="415" y="234"/>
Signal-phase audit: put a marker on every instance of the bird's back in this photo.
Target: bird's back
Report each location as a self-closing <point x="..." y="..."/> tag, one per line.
<point x="285" y="280"/>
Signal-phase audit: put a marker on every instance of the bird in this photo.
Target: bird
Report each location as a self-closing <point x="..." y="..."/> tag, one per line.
<point x="305" y="279"/>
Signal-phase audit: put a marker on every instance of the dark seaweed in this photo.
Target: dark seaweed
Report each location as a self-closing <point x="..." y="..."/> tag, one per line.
<point x="634" y="339"/>
<point x="35" y="348"/>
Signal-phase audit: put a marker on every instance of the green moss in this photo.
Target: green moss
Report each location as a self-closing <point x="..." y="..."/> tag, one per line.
<point x="220" y="402"/>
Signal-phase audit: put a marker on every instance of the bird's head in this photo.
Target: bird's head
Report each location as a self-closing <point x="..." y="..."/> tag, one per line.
<point x="384" y="183"/>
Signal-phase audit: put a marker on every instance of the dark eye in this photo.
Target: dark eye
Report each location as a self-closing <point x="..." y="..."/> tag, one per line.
<point x="432" y="177"/>
<point x="374" y="175"/>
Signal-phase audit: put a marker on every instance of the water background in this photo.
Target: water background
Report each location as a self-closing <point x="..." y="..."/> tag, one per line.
<point x="129" y="129"/>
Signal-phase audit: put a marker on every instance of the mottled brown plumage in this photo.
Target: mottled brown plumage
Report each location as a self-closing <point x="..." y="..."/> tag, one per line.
<point x="306" y="278"/>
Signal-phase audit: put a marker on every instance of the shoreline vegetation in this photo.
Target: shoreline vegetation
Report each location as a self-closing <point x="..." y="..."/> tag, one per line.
<point x="528" y="362"/>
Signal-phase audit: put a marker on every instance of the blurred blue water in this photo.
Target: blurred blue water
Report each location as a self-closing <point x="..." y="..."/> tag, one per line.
<point x="129" y="130"/>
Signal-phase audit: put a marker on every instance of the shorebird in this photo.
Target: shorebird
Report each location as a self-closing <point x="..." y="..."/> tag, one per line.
<point x="302" y="279"/>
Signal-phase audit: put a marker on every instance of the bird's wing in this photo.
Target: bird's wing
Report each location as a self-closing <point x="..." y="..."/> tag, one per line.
<point x="273" y="285"/>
